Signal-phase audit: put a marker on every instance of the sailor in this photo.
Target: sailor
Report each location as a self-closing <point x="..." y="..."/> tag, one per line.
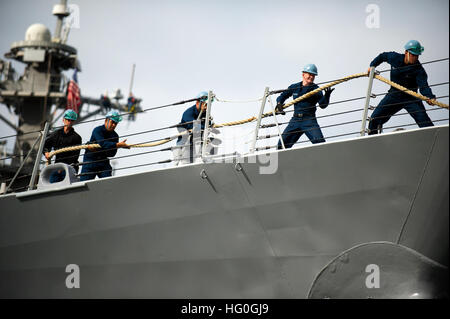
<point x="96" y="160"/>
<point x="183" y="153"/>
<point x="105" y="102"/>
<point x="131" y="104"/>
<point x="407" y="71"/>
<point x="304" y="118"/>
<point x="64" y="137"/>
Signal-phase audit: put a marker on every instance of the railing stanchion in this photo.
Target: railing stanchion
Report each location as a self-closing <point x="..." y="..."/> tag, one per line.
<point x="206" y="130"/>
<point x="368" y="96"/>
<point x="258" y="123"/>
<point x="38" y="156"/>
<point x="276" y="123"/>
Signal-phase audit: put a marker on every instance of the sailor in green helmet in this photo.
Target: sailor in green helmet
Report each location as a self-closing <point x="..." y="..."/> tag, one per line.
<point x="407" y="71"/>
<point x="96" y="160"/>
<point x="64" y="137"/>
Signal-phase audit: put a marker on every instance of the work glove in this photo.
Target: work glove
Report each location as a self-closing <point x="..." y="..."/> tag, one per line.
<point x="328" y="92"/>
<point x="430" y="101"/>
<point x="279" y="109"/>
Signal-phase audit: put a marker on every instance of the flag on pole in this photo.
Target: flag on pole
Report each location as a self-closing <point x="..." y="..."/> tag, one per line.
<point x="73" y="94"/>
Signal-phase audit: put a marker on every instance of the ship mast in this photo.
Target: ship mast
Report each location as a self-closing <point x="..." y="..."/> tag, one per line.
<point x="42" y="84"/>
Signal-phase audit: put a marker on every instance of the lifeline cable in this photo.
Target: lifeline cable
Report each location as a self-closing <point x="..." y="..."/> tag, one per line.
<point x="262" y="137"/>
<point x="268" y="114"/>
<point x="405" y="90"/>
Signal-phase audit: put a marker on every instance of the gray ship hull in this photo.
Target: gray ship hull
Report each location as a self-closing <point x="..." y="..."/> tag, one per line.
<point x="238" y="234"/>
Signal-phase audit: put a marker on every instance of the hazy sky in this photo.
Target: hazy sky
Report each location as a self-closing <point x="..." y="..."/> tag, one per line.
<point x="235" y="49"/>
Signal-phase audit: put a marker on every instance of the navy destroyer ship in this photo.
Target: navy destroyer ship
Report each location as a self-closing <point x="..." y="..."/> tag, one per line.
<point x="355" y="217"/>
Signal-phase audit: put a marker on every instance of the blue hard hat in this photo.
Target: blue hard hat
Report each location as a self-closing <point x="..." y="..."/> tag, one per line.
<point x="70" y="115"/>
<point x="114" y="115"/>
<point x="203" y="96"/>
<point x="311" y="68"/>
<point x="414" y="47"/>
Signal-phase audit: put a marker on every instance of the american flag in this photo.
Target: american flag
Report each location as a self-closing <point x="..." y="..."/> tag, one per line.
<point x="73" y="94"/>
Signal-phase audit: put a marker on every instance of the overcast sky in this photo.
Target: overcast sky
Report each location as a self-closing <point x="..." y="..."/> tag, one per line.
<point x="235" y="49"/>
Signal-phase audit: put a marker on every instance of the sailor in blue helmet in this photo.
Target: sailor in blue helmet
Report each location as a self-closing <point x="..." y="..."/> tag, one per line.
<point x="97" y="159"/>
<point x="61" y="138"/>
<point x="195" y="112"/>
<point x="407" y="71"/>
<point x="304" y="118"/>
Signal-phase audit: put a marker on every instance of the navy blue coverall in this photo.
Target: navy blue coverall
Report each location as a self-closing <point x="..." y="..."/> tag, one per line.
<point x="410" y="76"/>
<point x="190" y="115"/>
<point x="59" y="139"/>
<point x="99" y="165"/>
<point x="304" y="118"/>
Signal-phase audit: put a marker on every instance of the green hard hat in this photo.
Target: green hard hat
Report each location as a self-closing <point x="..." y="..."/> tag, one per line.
<point x="414" y="47"/>
<point x="114" y="116"/>
<point x="70" y="115"/>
